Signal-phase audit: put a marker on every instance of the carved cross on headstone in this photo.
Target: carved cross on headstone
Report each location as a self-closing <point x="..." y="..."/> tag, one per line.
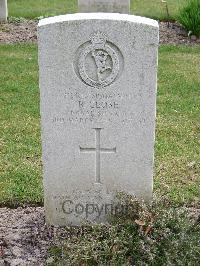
<point x="98" y="150"/>
<point x="110" y="6"/>
<point x="3" y="10"/>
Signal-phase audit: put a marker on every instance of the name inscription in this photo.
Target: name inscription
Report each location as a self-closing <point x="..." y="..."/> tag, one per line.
<point x="95" y="107"/>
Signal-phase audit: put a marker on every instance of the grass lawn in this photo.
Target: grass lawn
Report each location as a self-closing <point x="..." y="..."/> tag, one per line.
<point x="32" y="9"/>
<point x="20" y="152"/>
<point x="178" y="127"/>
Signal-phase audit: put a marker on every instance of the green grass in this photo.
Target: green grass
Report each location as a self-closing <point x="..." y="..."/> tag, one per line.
<point x="178" y="128"/>
<point x="189" y="17"/>
<point x="32" y="9"/>
<point x="178" y="124"/>
<point x="156" y="9"/>
<point x="37" y="8"/>
<point x="20" y="152"/>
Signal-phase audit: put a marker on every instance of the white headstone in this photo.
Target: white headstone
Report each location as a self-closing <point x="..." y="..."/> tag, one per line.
<point x="98" y="104"/>
<point x="3" y="10"/>
<point x="110" y="6"/>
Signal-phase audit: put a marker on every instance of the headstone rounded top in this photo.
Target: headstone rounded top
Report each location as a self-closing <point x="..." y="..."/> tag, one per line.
<point x="98" y="16"/>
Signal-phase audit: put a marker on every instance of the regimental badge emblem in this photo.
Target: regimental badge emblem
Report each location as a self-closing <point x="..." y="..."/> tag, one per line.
<point x="98" y="61"/>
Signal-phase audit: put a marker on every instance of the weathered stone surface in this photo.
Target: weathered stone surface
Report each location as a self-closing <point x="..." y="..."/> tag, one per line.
<point x="110" y="6"/>
<point x="3" y="10"/>
<point x="98" y="102"/>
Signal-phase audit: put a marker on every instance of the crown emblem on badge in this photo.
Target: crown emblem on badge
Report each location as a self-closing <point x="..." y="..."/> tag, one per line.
<point x="98" y="38"/>
<point x="99" y="61"/>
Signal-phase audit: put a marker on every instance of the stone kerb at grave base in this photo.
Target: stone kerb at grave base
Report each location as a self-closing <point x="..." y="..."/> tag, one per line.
<point x="109" y="6"/>
<point x="98" y="102"/>
<point x="3" y="10"/>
